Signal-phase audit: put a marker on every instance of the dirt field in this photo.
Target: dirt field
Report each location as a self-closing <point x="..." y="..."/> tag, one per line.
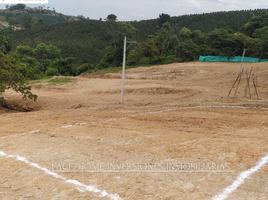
<point x="174" y="116"/>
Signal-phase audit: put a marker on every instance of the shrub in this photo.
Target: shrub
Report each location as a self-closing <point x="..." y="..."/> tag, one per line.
<point x="52" y="71"/>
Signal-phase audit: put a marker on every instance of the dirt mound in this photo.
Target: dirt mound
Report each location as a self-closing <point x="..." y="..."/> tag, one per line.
<point x="151" y="91"/>
<point x="17" y="107"/>
<point x="101" y="76"/>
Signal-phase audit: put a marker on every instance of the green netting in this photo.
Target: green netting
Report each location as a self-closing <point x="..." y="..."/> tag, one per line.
<point x="213" y="58"/>
<point x="226" y="59"/>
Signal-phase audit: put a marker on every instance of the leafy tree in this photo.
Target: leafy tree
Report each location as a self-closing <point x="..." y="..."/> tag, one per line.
<point x="27" y="21"/>
<point x="224" y="43"/>
<point x="44" y="51"/>
<point x="65" y="66"/>
<point x="198" y="37"/>
<point x="86" y="67"/>
<point x="162" y="40"/>
<point x="261" y="33"/>
<point x="254" y="47"/>
<point x="116" y="30"/>
<point x="81" y="17"/>
<point x="163" y="18"/>
<point x="185" y="34"/>
<point x="111" y="17"/>
<point x="52" y="71"/>
<point x="4" y="44"/>
<point x="24" y="50"/>
<point x="11" y="77"/>
<point x="17" y="7"/>
<point x="256" y="22"/>
<point x="187" y="51"/>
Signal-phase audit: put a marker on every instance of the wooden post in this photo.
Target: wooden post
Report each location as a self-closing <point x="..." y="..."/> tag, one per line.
<point x="248" y="86"/>
<point x="240" y="70"/>
<point x="233" y="85"/>
<point x="239" y="82"/>
<point x="255" y="89"/>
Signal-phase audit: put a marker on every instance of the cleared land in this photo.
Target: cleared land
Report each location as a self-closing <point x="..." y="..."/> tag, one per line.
<point x="177" y="113"/>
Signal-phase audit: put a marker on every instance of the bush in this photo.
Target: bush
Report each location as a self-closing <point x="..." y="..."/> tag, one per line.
<point x="52" y="71"/>
<point x="169" y="59"/>
<point x="134" y="58"/>
<point x="86" y="67"/>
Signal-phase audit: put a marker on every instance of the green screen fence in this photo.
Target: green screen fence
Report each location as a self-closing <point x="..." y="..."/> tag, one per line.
<point x="233" y="59"/>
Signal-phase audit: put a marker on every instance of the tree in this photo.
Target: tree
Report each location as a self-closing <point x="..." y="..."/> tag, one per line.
<point x="187" y="51"/>
<point x="38" y="22"/>
<point x="255" y="22"/>
<point x="12" y="78"/>
<point x="27" y="19"/>
<point x="44" y="51"/>
<point x="24" y="50"/>
<point x="163" y="18"/>
<point x="65" y="66"/>
<point x="112" y="17"/>
<point x="4" y="44"/>
<point x="185" y="34"/>
<point x="261" y="33"/>
<point x="81" y="17"/>
<point x="225" y="43"/>
<point x="116" y="30"/>
<point x="17" y="7"/>
<point x="162" y="40"/>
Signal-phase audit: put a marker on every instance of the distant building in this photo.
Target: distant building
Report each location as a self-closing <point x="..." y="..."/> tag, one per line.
<point x="40" y="8"/>
<point x="16" y="28"/>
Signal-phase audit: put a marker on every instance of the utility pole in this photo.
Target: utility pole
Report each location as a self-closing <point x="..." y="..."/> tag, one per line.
<point x="242" y="61"/>
<point x="124" y="65"/>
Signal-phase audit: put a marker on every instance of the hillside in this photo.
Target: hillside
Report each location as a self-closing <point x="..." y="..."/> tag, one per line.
<point x="84" y="40"/>
<point x="30" y="18"/>
<point x="95" y="44"/>
<point x="205" y="22"/>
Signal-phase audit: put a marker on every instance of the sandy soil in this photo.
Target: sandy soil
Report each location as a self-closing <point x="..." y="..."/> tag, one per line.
<point x="173" y="114"/>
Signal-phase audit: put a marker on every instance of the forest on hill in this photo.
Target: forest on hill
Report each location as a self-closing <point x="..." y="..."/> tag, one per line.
<point x="26" y="17"/>
<point x="72" y="48"/>
<point x="205" y="22"/>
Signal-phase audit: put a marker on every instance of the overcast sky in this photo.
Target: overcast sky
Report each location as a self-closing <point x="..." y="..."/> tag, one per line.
<point x="127" y="10"/>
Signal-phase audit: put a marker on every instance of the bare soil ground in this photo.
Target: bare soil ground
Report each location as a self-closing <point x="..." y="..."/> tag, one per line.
<point x="177" y="113"/>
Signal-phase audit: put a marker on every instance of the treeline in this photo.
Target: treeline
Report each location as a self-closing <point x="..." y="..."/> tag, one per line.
<point x="169" y="45"/>
<point x="88" y="41"/>
<point x="66" y="51"/>
<point x="205" y="22"/>
<point x="94" y="44"/>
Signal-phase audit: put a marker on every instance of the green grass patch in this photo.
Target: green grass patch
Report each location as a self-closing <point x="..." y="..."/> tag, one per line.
<point x="32" y="82"/>
<point x="118" y="69"/>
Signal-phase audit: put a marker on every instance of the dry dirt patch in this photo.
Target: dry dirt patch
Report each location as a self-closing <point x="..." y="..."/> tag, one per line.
<point x="187" y="119"/>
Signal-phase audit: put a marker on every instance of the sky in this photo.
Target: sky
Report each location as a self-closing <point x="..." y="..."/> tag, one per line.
<point x="130" y="10"/>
